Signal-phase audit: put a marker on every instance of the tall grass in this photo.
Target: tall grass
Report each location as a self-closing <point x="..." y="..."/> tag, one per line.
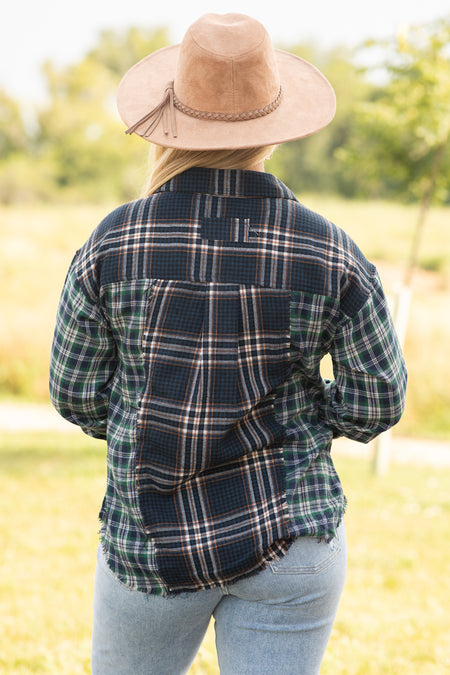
<point x="38" y="243"/>
<point x="393" y="618"/>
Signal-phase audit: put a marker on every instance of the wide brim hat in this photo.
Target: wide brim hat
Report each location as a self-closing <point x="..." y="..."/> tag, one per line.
<point x="224" y="87"/>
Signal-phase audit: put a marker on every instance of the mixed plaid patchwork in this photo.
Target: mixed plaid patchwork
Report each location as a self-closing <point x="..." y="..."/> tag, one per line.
<point x="190" y="333"/>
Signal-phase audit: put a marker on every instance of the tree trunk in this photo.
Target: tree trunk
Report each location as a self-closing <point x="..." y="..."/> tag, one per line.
<point x="424" y="207"/>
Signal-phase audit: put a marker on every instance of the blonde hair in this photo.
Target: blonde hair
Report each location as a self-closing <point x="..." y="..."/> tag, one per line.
<point x="165" y="163"/>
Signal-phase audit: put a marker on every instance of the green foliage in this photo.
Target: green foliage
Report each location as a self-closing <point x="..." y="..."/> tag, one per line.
<point x="400" y="146"/>
<point x="79" y="129"/>
<point x="79" y="149"/>
<point x="12" y="129"/>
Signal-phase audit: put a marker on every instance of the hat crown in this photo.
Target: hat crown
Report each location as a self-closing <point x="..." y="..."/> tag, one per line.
<point x="226" y="64"/>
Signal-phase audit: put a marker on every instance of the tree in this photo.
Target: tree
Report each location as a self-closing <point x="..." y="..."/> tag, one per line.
<point x="402" y="145"/>
<point x="80" y="131"/>
<point x="12" y="130"/>
<point x="19" y="179"/>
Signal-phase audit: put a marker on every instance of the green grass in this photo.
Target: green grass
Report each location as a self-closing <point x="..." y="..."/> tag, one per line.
<point x="393" y="618"/>
<point x="37" y="244"/>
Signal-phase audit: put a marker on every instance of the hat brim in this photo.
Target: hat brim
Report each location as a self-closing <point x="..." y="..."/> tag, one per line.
<point x="308" y="104"/>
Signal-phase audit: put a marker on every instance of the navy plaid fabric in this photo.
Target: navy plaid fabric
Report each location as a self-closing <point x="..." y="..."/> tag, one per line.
<point x="190" y="333"/>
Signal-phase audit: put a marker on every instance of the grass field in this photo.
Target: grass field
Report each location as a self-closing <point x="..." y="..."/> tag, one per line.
<point x="393" y="618"/>
<point x="38" y="243"/>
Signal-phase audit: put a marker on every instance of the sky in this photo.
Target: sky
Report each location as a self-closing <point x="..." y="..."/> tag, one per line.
<point x="32" y="32"/>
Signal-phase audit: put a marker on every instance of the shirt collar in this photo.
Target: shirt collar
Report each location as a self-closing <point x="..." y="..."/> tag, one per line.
<point x="228" y="183"/>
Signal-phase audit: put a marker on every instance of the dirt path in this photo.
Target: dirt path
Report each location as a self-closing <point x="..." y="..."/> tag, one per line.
<point x="40" y="417"/>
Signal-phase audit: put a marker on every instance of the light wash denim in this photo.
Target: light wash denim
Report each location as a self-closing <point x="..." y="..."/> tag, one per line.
<point x="277" y="621"/>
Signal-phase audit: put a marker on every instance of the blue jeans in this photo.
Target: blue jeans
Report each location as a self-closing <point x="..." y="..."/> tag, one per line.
<point x="277" y="621"/>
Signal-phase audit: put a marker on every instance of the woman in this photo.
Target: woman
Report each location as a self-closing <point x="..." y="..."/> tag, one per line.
<point x="189" y="335"/>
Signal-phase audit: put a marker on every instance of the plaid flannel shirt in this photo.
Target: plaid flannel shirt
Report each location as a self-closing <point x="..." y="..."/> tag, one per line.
<point x="189" y="335"/>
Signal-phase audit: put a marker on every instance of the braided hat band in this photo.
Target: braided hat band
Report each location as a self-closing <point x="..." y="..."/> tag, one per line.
<point x="171" y="101"/>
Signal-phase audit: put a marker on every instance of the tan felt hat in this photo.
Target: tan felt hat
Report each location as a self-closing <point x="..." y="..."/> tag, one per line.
<point x="224" y="86"/>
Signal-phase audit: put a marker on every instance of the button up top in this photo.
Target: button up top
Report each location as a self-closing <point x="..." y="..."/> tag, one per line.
<point x="189" y="335"/>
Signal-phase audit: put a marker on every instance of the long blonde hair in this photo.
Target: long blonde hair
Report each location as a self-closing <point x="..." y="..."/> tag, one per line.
<point x="165" y="163"/>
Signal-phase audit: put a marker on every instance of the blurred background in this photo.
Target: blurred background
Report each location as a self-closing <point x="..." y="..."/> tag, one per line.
<point x="381" y="171"/>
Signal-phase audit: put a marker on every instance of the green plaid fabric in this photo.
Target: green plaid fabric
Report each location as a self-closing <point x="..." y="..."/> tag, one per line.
<point x="189" y="335"/>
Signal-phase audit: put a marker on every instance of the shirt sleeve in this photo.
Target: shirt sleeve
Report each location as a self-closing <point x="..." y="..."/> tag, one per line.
<point x="367" y="395"/>
<point x="83" y="360"/>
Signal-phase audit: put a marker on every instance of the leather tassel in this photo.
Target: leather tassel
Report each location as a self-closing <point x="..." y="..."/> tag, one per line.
<point x="161" y="111"/>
